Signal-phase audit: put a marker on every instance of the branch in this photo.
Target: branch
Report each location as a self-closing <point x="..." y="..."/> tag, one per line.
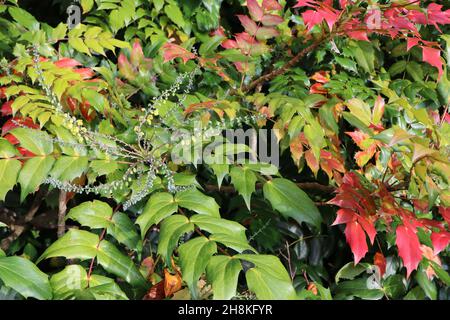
<point x="62" y="213"/>
<point x="285" y="68"/>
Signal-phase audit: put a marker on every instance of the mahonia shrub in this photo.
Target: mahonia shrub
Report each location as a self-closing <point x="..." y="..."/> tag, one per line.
<point x="95" y="118"/>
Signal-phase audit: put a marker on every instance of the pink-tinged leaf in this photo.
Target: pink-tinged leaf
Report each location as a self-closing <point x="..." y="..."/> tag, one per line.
<point x="408" y="248"/>
<point x="437" y="16"/>
<point x="271" y="20"/>
<point x="380" y="261"/>
<point x="248" y="24"/>
<point x="6" y="109"/>
<point x="411" y="42"/>
<point x="356" y="238"/>
<point x="85" y="73"/>
<point x="270" y="5"/>
<point x="173" y="51"/>
<point x="378" y="110"/>
<point x="433" y="57"/>
<point x="311" y="161"/>
<point x="344" y="216"/>
<point x="125" y="67"/>
<point x="429" y="254"/>
<point x="440" y="241"/>
<point x="312" y="18"/>
<point x="305" y="3"/>
<point x="229" y="44"/>
<point x="255" y="10"/>
<point x="358" y="35"/>
<point x="445" y="213"/>
<point x="67" y="63"/>
<point x="359" y="137"/>
<point x="137" y="55"/>
<point x="265" y="33"/>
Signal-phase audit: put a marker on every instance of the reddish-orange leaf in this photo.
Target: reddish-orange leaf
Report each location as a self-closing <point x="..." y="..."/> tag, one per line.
<point x="248" y="24"/>
<point x="356" y="238"/>
<point x="173" y="51"/>
<point x="433" y="57"/>
<point x="380" y="261"/>
<point x="172" y="283"/>
<point x="408" y="248"/>
<point x="156" y="292"/>
<point x="67" y="63"/>
<point x="440" y="241"/>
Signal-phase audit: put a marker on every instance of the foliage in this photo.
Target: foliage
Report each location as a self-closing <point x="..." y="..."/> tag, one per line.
<point x="95" y="206"/>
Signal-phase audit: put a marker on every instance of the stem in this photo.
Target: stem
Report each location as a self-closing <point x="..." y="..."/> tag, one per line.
<point x="62" y="213"/>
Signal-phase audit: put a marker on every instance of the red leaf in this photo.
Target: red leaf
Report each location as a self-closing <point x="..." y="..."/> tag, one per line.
<point x="25" y="152"/>
<point x="270" y="5"/>
<point x="368" y="227"/>
<point x="440" y="241"/>
<point x="380" y="261"/>
<point x="27" y="122"/>
<point x="2" y="92"/>
<point x="248" y="24"/>
<point x="13" y="140"/>
<point x="67" y="63"/>
<point x="172" y="51"/>
<point x="411" y="42"/>
<point x="305" y="3"/>
<point x="408" y="248"/>
<point x="445" y="213"/>
<point x="156" y="292"/>
<point x="344" y="216"/>
<point x="255" y="10"/>
<point x="356" y="238"/>
<point x="6" y="108"/>
<point x="433" y="57"/>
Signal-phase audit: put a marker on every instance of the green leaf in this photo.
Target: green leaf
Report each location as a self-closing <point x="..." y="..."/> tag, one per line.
<point x="95" y="214"/>
<point x="174" y="13"/>
<point x="77" y="244"/>
<point x="428" y="286"/>
<point x="357" y="288"/>
<point x="67" y="281"/>
<point x="87" y="5"/>
<point x="394" y="286"/>
<point x="117" y="263"/>
<point x="7" y="150"/>
<point x="364" y="54"/>
<point x="124" y="231"/>
<point x="221" y="171"/>
<point x="268" y="279"/>
<point x="159" y="206"/>
<point x="33" y="174"/>
<point x="172" y="229"/>
<point x="194" y="257"/>
<point x="441" y="273"/>
<point x="350" y="271"/>
<point x="68" y="168"/>
<point x="24" y="277"/>
<point x="36" y="141"/>
<point x="244" y="180"/>
<point x="360" y="110"/>
<point x="9" y="170"/>
<point x="291" y="201"/>
<point x="194" y="200"/>
<point x="24" y="18"/>
<point x="223" y="273"/>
